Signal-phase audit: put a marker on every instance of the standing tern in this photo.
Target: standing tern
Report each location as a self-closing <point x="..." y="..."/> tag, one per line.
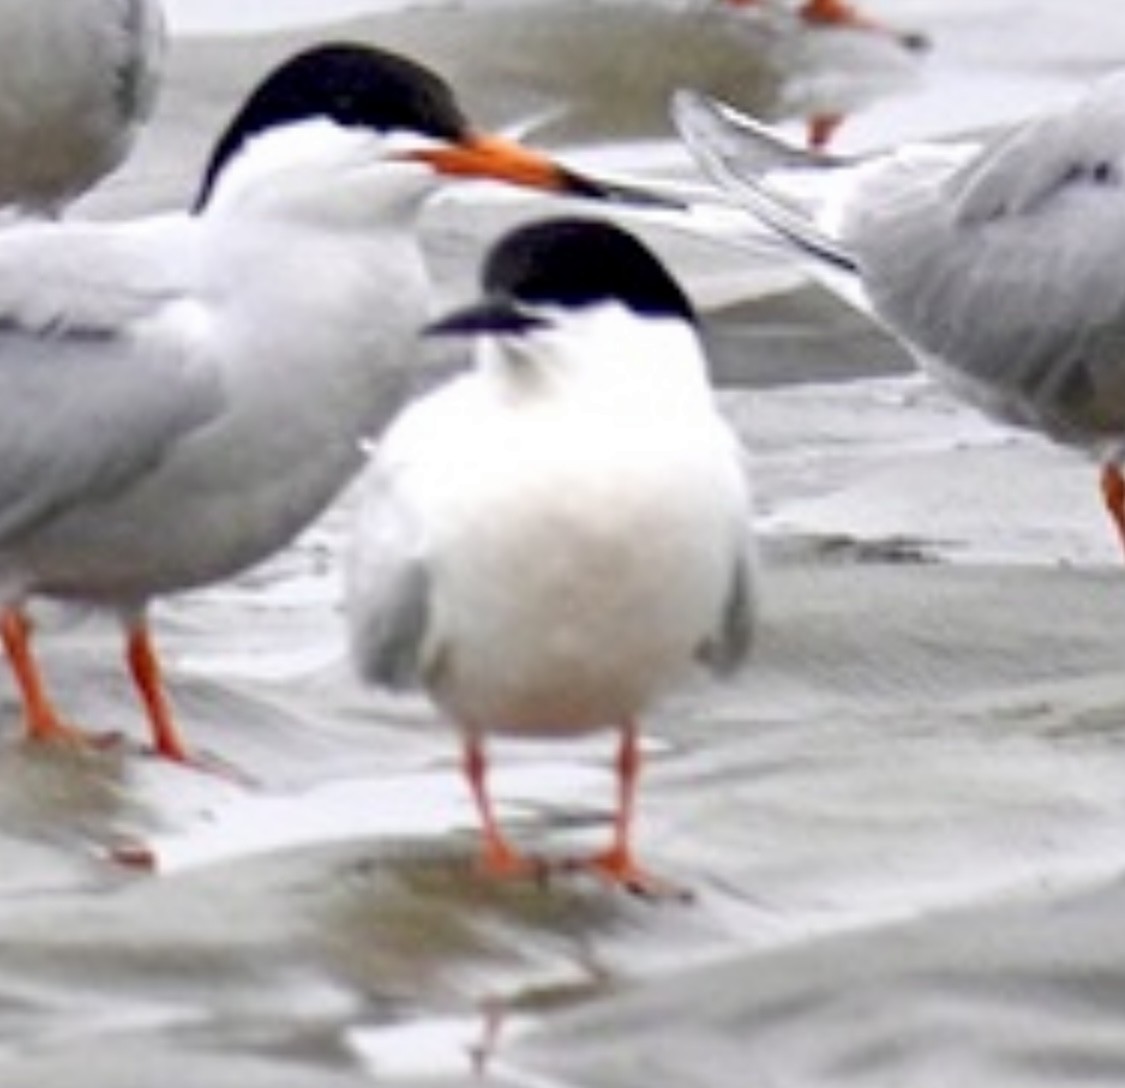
<point x="548" y="542"/>
<point x="185" y="392"/>
<point x="77" y="79"/>
<point x="998" y="264"/>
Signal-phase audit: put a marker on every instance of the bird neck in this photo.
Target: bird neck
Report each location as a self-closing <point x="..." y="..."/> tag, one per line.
<point x="601" y="361"/>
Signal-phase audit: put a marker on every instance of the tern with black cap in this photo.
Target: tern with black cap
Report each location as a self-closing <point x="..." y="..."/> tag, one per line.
<point x="183" y="393"/>
<point x="550" y="542"/>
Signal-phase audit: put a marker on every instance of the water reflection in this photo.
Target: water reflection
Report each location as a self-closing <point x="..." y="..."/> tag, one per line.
<point x="427" y="929"/>
<point x="454" y="967"/>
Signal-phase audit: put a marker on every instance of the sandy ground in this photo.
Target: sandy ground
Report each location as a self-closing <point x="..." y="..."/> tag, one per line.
<point x="903" y="824"/>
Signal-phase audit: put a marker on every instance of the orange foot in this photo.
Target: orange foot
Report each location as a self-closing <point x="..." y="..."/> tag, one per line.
<point x="500" y="861"/>
<point x="57" y="733"/>
<point x="617" y="866"/>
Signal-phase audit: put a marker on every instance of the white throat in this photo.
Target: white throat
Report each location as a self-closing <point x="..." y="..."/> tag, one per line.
<point x="319" y="172"/>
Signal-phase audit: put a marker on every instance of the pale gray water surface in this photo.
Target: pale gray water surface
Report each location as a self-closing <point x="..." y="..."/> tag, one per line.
<point x="905" y="824"/>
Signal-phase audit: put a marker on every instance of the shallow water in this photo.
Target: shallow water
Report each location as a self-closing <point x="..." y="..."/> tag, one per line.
<point x="903" y="824"/>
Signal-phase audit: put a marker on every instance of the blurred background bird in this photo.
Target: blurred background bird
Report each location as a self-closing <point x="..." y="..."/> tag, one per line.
<point x="78" y="78"/>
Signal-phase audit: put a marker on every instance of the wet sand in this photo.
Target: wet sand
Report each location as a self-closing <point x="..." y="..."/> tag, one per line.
<point x="904" y="824"/>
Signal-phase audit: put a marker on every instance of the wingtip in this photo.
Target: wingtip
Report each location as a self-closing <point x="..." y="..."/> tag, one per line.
<point x="739" y="154"/>
<point x="709" y="127"/>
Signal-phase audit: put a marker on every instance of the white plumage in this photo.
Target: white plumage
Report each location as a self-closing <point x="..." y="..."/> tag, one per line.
<point x="548" y="543"/>
<point x="182" y="394"/>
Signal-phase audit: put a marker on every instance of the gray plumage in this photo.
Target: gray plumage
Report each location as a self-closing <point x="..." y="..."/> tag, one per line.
<point x="92" y="393"/>
<point x="998" y="263"/>
<point x="389" y="634"/>
<point x="77" y="80"/>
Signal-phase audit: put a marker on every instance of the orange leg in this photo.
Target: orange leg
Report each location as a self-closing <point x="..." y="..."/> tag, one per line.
<point x="617" y="863"/>
<point x="1113" y="494"/>
<point x="145" y="668"/>
<point x="41" y="720"/>
<point x="498" y="857"/>
<point x="144" y="665"/>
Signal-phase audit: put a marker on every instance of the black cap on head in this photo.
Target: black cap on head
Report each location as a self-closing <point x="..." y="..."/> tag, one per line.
<point x="577" y="261"/>
<point x="352" y="84"/>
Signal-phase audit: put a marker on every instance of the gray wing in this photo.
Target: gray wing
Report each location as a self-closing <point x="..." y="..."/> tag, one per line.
<point x="1006" y="271"/>
<point x="728" y="646"/>
<point x="389" y="587"/>
<point x="1039" y="159"/>
<point x="99" y="369"/>
<point x="998" y="267"/>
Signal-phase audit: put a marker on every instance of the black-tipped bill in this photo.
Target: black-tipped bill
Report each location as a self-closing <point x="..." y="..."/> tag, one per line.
<point x="484" y="156"/>
<point x="496" y="315"/>
<point x="618" y="192"/>
<point x="839" y="13"/>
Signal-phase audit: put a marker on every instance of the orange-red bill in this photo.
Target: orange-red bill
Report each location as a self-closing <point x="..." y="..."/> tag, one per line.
<point x="491" y="157"/>
<point x="480" y="155"/>
<point x="841" y="13"/>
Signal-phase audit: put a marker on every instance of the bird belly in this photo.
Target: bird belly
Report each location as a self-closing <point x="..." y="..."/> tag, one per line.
<point x="579" y="609"/>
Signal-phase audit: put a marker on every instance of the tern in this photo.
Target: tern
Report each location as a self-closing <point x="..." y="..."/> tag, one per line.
<point x="996" y="262"/>
<point x="550" y="541"/>
<point x="77" y="80"/>
<point x="185" y="392"/>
